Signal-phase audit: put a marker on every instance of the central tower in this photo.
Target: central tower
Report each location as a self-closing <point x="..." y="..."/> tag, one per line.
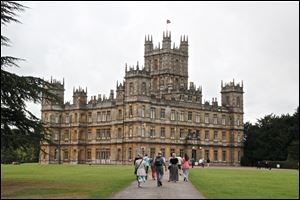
<point x="168" y="66"/>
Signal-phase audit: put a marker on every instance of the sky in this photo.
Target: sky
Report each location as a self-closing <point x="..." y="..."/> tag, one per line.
<point x="88" y="44"/>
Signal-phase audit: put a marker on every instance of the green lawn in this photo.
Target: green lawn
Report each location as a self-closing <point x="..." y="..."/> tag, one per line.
<point x="63" y="181"/>
<point x="101" y="181"/>
<point x="248" y="183"/>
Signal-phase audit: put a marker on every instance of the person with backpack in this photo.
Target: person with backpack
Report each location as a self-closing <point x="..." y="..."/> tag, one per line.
<point x="159" y="166"/>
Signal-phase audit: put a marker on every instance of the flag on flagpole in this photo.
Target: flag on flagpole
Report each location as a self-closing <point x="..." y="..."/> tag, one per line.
<point x="168" y="21"/>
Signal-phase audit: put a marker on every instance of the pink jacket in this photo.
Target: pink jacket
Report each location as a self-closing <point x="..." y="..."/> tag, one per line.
<point x="185" y="164"/>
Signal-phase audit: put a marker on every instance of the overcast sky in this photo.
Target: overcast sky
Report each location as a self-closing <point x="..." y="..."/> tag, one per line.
<point x="88" y="44"/>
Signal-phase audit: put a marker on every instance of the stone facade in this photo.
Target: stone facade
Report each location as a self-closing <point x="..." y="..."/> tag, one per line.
<point x="154" y="109"/>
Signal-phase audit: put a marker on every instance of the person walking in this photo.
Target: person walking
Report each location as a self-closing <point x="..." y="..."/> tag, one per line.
<point x="193" y="162"/>
<point x="159" y="164"/>
<point x="173" y="167"/>
<point x="147" y="160"/>
<point x="179" y="164"/>
<point x="140" y="170"/>
<point x="153" y="170"/>
<point x="185" y="167"/>
<point x="208" y="161"/>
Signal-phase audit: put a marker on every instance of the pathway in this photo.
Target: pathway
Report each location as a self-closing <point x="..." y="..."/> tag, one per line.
<point x="169" y="190"/>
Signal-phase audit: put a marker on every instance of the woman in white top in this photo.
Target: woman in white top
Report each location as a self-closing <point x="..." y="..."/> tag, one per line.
<point x="140" y="168"/>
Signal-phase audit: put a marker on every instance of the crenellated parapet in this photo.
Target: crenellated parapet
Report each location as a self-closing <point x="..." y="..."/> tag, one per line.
<point x="136" y="72"/>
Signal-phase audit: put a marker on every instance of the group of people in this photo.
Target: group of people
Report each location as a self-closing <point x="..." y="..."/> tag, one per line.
<point x="158" y="165"/>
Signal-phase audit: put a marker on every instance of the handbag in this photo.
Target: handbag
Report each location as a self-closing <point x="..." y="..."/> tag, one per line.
<point x="135" y="169"/>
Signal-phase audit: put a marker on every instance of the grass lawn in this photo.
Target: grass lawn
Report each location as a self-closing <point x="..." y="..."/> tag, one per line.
<point x="63" y="181"/>
<point x="251" y="183"/>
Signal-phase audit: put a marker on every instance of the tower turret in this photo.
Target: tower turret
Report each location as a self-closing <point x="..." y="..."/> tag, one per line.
<point x="79" y="96"/>
<point x="232" y="96"/>
<point x="148" y="44"/>
<point x="166" y="44"/>
<point x="58" y="89"/>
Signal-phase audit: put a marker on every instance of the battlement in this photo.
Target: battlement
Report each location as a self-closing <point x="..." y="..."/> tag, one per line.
<point x="133" y="72"/>
<point x="232" y="87"/>
<point x="166" y="45"/>
<point x="79" y="91"/>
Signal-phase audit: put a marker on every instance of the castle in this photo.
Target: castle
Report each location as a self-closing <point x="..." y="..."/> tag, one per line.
<point x="154" y="109"/>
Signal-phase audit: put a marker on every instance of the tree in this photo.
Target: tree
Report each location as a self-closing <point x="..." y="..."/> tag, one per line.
<point x="272" y="138"/>
<point x="20" y="129"/>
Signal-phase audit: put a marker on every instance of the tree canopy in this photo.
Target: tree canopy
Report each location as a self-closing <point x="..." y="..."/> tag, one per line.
<point x="273" y="138"/>
<point x="19" y="127"/>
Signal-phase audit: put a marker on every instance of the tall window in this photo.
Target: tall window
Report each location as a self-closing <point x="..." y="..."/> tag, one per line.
<point x="197" y="118"/>
<point x="108" y="116"/>
<point x="239" y="137"/>
<point x="131" y="89"/>
<point x="130" y="111"/>
<point x="207" y="134"/>
<point x="223" y="155"/>
<point x="181" y="153"/>
<point x="181" y="134"/>
<point x="215" y="119"/>
<point x="162" y="132"/>
<point x="129" y="153"/>
<point x="206" y="154"/>
<point x="143" y="132"/>
<point x="120" y="114"/>
<point x="190" y="115"/>
<point x="108" y="135"/>
<point x="98" y="154"/>
<point x="89" y="119"/>
<point x="215" y="135"/>
<point x="172" y="133"/>
<point x="223" y="120"/>
<point x="206" y="118"/>
<point x="57" y="119"/>
<point x="98" y="134"/>
<point x="66" y="155"/>
<point x="130" y="131"/>
<point x="172" y="115"/>
<point x="152" y="152"/>
<point x="119" y="132"/>
<point x="162" y="113"/>
<point x="98" y="116"/>
<point x="89" y="154"/>
<point x="181" y="116"/>
<point x="67" y="119"/>
<point x="89" y="134"/>
<point x="152" y="113"/>
<point x="104" y="116"/>
<point x="55" y="154"/>
<point x="238" y="121"/>
<point x="223" y="135"/>
<point x="143" y="111"/>
<point x="152" y="132"/>
<point x="215" y="155"/>
<point x="143" y="88"/>
<point x="238" y="102"/>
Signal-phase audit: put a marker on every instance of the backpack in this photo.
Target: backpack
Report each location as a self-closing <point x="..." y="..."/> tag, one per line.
<point x="159" y="161"/>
